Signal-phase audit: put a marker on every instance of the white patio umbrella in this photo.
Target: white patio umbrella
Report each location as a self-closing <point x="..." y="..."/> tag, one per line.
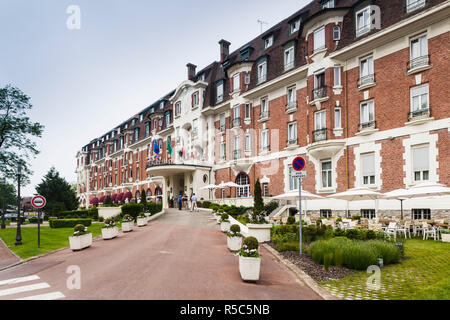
<point x="294" y="197"/>
<point x="230" y="184"/>
<point x="209" y="187"/>
<point x="359" y="194"/>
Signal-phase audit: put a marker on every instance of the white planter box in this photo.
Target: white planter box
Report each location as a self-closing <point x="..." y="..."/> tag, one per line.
<point x="225" y="226"/>
<point x="445" y="237"/>
<point x="141" y="222"/>
<point x="127" y="226"/>
<point x="109" y="212"/>
<point x="249" y="268"/>
<point x="218" y="219"/>
<point x="260" y="231"/>
<point x="110" y="233"/>
<point x="234" y="243"/>
<point x="81" y="242"/>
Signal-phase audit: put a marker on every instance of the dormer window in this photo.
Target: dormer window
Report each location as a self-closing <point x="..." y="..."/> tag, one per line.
<point x="202" y="77"/>
<point x="412" y="5"/>
<point x="328" y="4"/>
<point x="363" y="24"/>
<point x="294" y="26"/>
<point x="141" y="117"/>
<point x="268" y="42"/>
<point x="133" y="122"/>
<point x="219" y="91"/>
<point x="161" y="105"/>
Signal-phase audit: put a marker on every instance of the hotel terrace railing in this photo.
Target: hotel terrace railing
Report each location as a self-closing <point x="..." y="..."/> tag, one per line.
<point x="289" y="65"/>
<point x="320" y="135"/>
<point x="319" y="93"/>
<point x="419" y="114"/>
<point x="291" y="105"/>
<point x="368" y="79"/>
<point x="367" y="125"/>
<point x="236" y="122"/>
<point x="418" y="62"/>
<point x="291" y="141"/>
<point x="160" y="162"/>
<point x="362" y="30"/>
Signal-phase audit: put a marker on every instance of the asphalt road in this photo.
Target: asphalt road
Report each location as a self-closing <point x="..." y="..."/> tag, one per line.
<point x="180" y="256"/>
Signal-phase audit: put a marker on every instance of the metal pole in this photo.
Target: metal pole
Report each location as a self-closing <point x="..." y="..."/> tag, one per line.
<point x="300" y="211"/>
<point x="39" y="228"/>
<point x="4" y="204"/>
<point x="19" y="234"/>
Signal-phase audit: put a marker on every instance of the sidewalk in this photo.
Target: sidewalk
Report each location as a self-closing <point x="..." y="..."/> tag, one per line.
<point x="7" y="258"/>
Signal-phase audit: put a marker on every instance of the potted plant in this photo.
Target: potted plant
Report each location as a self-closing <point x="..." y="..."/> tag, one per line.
<point x="219" y="215"/>
<point x="142" y="220"/>
<point x="81" y="238"/>
<point x="110" y="230"/>
<point x="258" y="226"/>
<point x="445" y="235"/>
<point x="234" y="238"/>
<point x="225" y="222"/>
<point x="127" y="223"/>
<point x="249" y="260"/>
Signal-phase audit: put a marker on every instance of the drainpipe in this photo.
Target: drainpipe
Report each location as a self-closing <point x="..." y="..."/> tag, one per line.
<point x="346" y="124"/>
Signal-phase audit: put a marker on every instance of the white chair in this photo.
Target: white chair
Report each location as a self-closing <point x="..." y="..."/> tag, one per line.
<point x="391" y="230"/>
<point x="376" y="226"/>
<point x="352" y="224"/>
<point x="429" y="231"/>
<point x="417" y="228"/>
<point x="405" y="229"/>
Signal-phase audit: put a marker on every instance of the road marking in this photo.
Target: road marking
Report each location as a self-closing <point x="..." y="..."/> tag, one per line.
<point x="46" y="296"/>
<point x="30" y="287"/>
<point x="18" y="280"/>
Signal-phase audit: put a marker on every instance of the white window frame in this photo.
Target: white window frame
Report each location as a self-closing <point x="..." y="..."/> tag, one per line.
<point x="292" y="131"/>
<point x="178" y="108"/>
<point x="336" y="33"/>
<point x="248" y="142"/>
<point x="268" y="42"/>
<point x="370" y="179"/>
<point x="420" y="92"/>
<point x="289" y="58"/>
<point x="292" y="97"/>
<point x="222" y="151"/>
<point x="413" y="5"/>
<point x="236" y="82"/>
<point x="262" y="72"/>
<point x="365" y="117"/>
<point x="295" y="26"/>
<point x="222" y="122"/>
<point x="247" y="111"/>
<point x="219" y="92"/>
<point x="320" y="120"/>
<point x="328" y="4"/>
<point x="319" y="39"/>
<point x="420" y="174"/>
<point x="328" y="173"/>
<point x="363" y="29"/>
<point x="293" y="181"/>
<point x="264" y="140"/>
<point x="337" y="118"/>
<point x="264" y="108"/>
<point x="370" y="70"/>
<point x="337" y="76"/>
<point x="195" y="99"/>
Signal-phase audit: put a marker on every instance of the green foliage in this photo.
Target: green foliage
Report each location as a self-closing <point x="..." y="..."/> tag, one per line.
<point x="68" y="223"/>
<point x="108" y="202"/>
<point x="101" y="219"/>
<point x="270" y="207"/>
<point x="225" y="217"/>
<point x="79" y="230"/>
<point x="250" y="247"/>
<point x="144" y="200"/>
<point x="132" y="209"/>
<point x="17" y="133"/>
<point x="127" y="218"/>
<point x="93" y="213"/>
<point x="58" y="193"/>
<point x="243" y="219"/>
<point x="291" y="220"/>
<point x="110" y="223"/>
<point x="354" y="254"/>
<point x="235" y="231"/>
<point x="154" y="208"/>
<point x="8" y="195"/>
<point x="35" y="220"/>
<point x="258" y="202"/>
<point x="288" y="246"/>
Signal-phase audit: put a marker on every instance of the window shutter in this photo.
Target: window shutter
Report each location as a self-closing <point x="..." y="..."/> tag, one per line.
<point x="368" y="164"/>
<point x="421" y="158"/>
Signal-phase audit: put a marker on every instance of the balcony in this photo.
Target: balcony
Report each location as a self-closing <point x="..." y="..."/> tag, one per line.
<point x="419" y="114"/>
<point x="159" y="162"/>
<point x="362" y="30"/>
<point x="320" y="135"/>
<point x="236" y="154"/>
<point x="418" y="64"/>
<point x="236" y="122"/>
<point x="319" y="93"/>
<point x="291" y="142"/>
<point x="291" y="106"/>
<point x="366" y="81"/>
<point x="367" y="125"/>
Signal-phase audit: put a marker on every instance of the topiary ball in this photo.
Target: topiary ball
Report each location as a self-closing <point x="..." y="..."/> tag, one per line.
<point x="291" y="220"/>
<point x="235" y="228"/>
<point x="251" y="243"/>
<point x="225" y="216"/>
<point x="79" y="228"/>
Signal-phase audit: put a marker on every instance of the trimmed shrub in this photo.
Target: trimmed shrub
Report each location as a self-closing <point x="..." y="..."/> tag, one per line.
<point x="108" y="202"/>
<point x="288" y="246"/>
<point x="68" y="223"/>
<point x="291" y="220"/>
<point x="250" y="247"/>
<point x="35" y="220"/>
<point x="235" y="228"/>
<point x="225" y="217"/>
<point x="133" y="209"/>
<point x="79" y="230"/>
<point x="154" y="208"/>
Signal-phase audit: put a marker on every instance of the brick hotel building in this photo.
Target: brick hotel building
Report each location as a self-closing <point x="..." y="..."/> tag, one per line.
<point x="361" y="89"/>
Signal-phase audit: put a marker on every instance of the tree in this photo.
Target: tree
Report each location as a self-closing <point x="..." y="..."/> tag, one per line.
<point x="258" y="204"/>
<point x="9" y="195"/>
<point x="58" y="192"/>
<point x="16" y="131"/>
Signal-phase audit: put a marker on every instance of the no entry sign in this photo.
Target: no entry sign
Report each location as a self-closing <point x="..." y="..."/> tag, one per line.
<point x="298" y="164"/>
<point x="38" y="202"/>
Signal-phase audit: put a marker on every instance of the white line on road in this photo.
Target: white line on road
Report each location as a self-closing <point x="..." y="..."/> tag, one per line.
<point x="30" y="287"/>
<point x="46" y="296"/>
<point x="18" y="280"/>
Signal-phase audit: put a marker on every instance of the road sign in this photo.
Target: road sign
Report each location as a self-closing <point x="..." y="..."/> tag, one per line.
<point x="298" y="164"/>
<point x="299" y="174"/>
<point x="38" y="202"/>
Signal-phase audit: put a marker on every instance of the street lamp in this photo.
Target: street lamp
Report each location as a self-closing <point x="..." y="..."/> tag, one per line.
<point x="4" y="203"/>
<point x="19" y="234"/>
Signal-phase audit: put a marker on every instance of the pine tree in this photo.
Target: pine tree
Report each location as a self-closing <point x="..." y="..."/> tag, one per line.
<point x="258" y="205"/>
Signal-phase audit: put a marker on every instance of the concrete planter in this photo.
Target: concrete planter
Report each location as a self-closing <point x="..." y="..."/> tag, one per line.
<point x="260" y="231"/>
<point x="445" y="237"/>
<point x="110" y="233"/>
<point x="127" y="226"/>
<point x="109" y="212"/>
<point x="147" y="216"/>
<point x="234" y="243"/>
<point x="141" y="222"/>
<point x="225" y="226"/>
<point x="80" y="242"/>
<point x="249" y="268"/>
<point x="218" y="219"/>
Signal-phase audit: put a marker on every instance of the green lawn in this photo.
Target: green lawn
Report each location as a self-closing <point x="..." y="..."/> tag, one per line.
<point x="51" y="239"/>
<point x="423" y="275"/>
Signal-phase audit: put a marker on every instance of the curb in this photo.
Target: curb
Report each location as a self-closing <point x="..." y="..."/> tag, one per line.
<point x="301" y="274"/>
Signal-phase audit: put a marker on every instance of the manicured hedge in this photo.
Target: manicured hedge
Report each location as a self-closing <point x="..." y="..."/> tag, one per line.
<point x="133" y="209"/>
<point x="154" y="208"/>
<point x="68" y="223"/>
<point x="35" y="220"/>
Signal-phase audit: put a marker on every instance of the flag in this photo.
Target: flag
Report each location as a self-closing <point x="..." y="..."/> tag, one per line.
<point x="169" y="148"/>
<point x="155" y="148"/>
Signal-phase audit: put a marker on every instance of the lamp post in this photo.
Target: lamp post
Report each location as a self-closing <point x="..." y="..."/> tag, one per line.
<point x="4" y="203"/>
<point x="19" y="234"/>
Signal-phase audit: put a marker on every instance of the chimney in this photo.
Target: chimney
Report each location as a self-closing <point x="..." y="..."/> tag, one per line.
<point x="191" y="70"/>
<point x="224" y="49"/>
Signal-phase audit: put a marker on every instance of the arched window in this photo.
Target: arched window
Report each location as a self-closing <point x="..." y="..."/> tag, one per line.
<point x="149" y="194"/>
<point x="158" y="191"/>
<point x="243" y="180"/>
<point x="336" y="33"/>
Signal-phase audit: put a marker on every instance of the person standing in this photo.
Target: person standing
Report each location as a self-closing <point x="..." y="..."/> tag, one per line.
<point x="194" y="200"/>
<point x="180" y="202"/>
<point x="185" y="201"/>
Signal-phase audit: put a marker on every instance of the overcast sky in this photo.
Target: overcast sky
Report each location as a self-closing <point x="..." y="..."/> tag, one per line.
<point x="127" y="54"/>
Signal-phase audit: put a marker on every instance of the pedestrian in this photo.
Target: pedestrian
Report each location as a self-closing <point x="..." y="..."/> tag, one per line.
<point x="180" y="199"/>
<point x="194" y="200"/>
<point x="185" y="201"/>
